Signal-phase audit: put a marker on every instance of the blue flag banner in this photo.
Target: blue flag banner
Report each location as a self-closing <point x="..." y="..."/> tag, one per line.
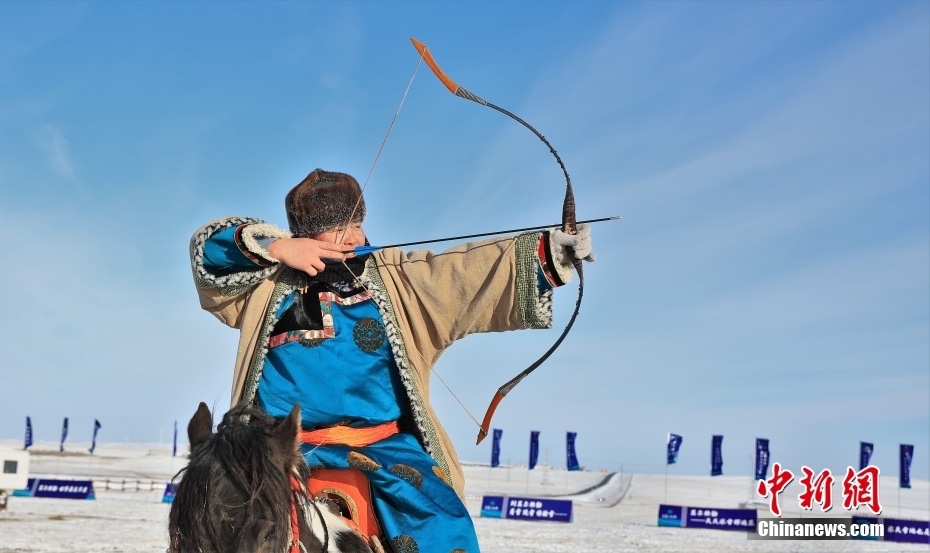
<point x="721" y="519"/>
<point x="60" y="489"/>
<point x="64" y="435"/>
<point x="174" y="447"/>
<point x="534" y="448"/>
<point x="865" y="454"/>
<point x="526" y="508"/>
<point x="674" y="443"/>
<point x="542" y="509"/>
<point x="28" y="439"/>
<point x="898" y="529"/>
<point x="496" y="448"/>
<point x="572" y="458"/>
<point x="907" y="455"/>
<point x="671" y="515"/>
<point x="707" y="517"/>
<point x="762" y="458"/>
<point x="93" y="441"/>
<point x="716" y="455"/>
<point x="906" y="531"/>
<point x="493" y="506"/>
<point x="168" y="496"/>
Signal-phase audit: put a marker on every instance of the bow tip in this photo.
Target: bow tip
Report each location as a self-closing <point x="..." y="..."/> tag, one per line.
<point x="482" y="434"/>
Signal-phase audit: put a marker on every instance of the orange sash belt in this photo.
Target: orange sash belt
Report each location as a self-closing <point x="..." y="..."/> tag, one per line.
<point x="350" y="436"/>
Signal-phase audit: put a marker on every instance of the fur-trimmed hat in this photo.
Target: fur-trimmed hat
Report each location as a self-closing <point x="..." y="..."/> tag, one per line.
<point x="323" y="201"/>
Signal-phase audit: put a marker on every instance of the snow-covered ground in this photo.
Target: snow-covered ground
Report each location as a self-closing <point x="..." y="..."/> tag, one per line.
<point x="612" y="512"/>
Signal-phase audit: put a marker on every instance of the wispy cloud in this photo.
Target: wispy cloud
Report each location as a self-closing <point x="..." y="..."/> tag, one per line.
<point x="56" y="147"/>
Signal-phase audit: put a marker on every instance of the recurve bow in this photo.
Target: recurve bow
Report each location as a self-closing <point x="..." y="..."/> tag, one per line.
<point x="568" y="226"/>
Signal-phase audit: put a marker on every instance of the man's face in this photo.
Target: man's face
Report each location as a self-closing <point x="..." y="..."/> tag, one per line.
<point x="350" y="236"/>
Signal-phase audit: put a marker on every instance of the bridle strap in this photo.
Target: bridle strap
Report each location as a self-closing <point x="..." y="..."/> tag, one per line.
<point x="301" y="496"/>
<point x="295" y="527"/>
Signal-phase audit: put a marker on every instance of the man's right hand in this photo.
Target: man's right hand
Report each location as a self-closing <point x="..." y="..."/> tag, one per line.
<point x="306" y="254"/>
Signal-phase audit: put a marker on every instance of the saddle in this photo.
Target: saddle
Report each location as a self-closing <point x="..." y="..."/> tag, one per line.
<point x="349" y="489"/>
<point x="350" y="492"/>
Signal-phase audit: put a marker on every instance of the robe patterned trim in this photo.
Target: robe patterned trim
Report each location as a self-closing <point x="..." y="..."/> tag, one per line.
<point x="428" y="435"/>
<point x="535" y="308"/>
<point x="288" y="281"/>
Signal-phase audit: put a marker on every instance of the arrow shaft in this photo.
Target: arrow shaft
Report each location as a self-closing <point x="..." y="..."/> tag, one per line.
<point x="362" y="250"/>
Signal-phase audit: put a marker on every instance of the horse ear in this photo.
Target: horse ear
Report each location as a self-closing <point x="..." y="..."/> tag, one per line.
<point x="285" y="436"/>
<point x="200" y="429"/>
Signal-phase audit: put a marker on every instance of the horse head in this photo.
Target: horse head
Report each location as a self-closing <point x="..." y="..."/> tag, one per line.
<point x="243" y="491"/>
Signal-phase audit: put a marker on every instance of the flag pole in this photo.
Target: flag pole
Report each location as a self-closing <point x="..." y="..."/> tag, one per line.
<point x="666" y="482"/>
<point x="668" y="438"/>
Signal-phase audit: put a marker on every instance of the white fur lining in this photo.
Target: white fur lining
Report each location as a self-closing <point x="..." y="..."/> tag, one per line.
<point x="252" y="233"/>
<point x="563" y="266"/>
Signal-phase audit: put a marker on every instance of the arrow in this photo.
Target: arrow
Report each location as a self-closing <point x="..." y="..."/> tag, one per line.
<point x="362" y="250"/>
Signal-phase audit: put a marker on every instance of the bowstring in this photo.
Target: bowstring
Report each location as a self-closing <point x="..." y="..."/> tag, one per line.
<point x="358" y="202"/>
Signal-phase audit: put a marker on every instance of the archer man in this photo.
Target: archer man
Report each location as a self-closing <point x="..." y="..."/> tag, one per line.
<point x="353" y="339"/>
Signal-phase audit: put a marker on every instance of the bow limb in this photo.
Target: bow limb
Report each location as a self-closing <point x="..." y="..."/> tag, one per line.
<point x="568" y="226"/>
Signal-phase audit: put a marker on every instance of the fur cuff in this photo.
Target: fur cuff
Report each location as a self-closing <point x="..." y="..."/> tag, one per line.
<point x="253" y="234"/>
<point x="560" y="262"/>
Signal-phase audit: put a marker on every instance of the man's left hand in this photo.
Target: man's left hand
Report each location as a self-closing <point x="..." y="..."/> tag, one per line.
<point x="575" y="245"/>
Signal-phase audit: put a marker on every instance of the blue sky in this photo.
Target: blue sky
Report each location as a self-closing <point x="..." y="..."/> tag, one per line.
<point x="769" y="277"/>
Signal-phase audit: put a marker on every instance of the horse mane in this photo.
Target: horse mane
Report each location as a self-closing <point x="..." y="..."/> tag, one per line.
<point x="243" y="464"/>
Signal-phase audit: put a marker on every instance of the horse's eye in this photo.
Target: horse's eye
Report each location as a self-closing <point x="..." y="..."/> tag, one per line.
<point x="269" y="535"/>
